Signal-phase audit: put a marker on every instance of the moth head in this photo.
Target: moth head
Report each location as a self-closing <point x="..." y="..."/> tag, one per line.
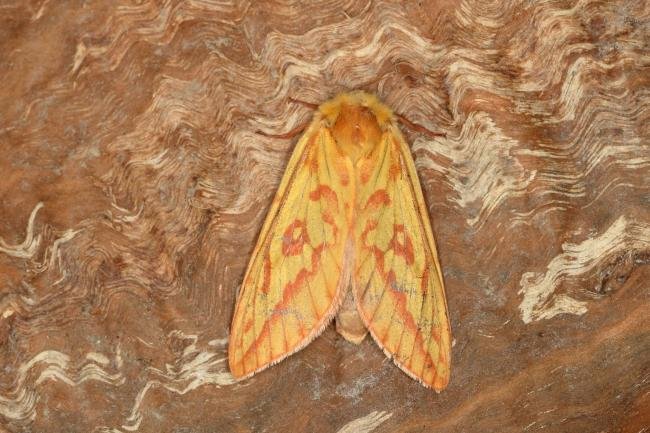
<point x="357" y="121"/>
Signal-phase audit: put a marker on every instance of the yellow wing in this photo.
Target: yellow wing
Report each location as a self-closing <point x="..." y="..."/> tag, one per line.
<point x="294" y="281"/>
<point x="397" y="281"/>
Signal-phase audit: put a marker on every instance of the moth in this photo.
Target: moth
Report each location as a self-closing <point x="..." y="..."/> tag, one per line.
<point x="347" y="235"/>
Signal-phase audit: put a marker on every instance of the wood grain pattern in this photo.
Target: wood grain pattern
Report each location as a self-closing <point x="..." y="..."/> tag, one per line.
<point x="134" y="184"/>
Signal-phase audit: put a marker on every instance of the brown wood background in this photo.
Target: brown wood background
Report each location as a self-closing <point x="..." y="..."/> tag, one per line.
<point x="133" y="185"/>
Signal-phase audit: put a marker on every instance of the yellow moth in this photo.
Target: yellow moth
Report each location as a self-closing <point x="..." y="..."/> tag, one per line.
<point x="347" y="235"/>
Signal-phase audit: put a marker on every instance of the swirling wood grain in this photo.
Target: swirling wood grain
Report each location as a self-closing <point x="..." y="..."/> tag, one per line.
<point x="134" y="182"/>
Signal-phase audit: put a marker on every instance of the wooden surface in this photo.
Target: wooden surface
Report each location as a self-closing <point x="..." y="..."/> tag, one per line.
<point x="133" y="185"/>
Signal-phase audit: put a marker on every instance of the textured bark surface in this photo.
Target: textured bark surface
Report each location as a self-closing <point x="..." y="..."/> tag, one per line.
<point x="134" y="183"/>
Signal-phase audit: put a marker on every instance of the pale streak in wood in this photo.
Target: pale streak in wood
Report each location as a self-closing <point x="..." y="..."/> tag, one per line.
<point x="134" y="184"/>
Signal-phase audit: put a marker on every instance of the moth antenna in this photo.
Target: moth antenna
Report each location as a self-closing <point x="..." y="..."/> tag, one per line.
<point x="305" y="103"/>
<point x="295" y="131"/>
<point x="418" y="128"/>
<point x="290" y="134"/>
